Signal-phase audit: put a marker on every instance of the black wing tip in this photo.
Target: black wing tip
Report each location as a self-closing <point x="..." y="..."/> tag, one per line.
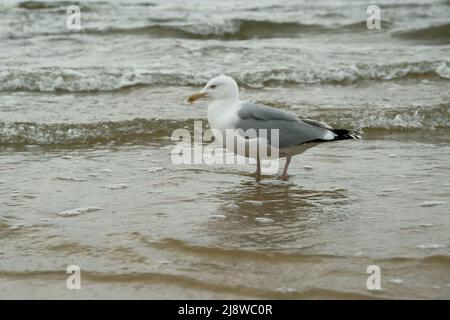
<point x="343" y="134"/>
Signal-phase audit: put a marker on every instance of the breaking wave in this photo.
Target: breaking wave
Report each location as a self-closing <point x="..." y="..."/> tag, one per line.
<point x="86" y="133"/>
<point x="228" y="30"/>
<point x="235" y="29"/>
<point x="87" y="80"/>
<point x="20" y="133"/>
<point x="100" y="79"/>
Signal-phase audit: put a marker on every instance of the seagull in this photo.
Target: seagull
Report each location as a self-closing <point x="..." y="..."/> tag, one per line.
<point x="227" y="112"/>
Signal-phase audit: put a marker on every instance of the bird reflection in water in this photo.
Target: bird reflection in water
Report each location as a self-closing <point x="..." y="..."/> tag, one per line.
<point x="274" y="214"/>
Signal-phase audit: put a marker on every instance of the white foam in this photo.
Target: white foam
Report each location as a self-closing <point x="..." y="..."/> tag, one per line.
<point x="286" y="290"/>
<point x="71" y="179"/>
<point x="436" y="287"/>
<point x="432" y="203"/>
<point x="232" y="206"/>
<point x="154" y="169"/>
<point x="420" y="181"/>
<point x="74" y="80"/>
<point x="218" y="216"/>
<point x="119" y="186"/>
<point x="395" y="281"/>
<point x="390" y="190"/>
<point x="254" y="202"/>
<point x="426" y="225"/>
<point x="78" y="211"/>
<point x="17" y="226"/>
<point x="392" y="155"/>
<point x="430" y="246"/>
<point x="264" y="220"/>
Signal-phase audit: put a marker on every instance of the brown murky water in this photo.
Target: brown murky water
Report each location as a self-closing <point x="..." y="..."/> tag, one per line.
<point x="86" y="176"/>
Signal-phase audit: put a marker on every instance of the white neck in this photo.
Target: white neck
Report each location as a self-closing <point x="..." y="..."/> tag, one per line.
<point x="219" y="113"/>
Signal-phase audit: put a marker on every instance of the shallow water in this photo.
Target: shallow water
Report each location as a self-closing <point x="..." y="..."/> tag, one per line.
<point x="86" y="176"/>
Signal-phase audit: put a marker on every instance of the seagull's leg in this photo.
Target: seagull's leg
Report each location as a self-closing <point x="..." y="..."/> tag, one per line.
<point x="284" y="176"/>
<point x="258" y="167"/>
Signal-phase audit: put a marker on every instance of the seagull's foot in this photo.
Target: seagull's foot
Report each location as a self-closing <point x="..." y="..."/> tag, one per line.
<point x="258" y="169"/>
<point x="284" y="177"/>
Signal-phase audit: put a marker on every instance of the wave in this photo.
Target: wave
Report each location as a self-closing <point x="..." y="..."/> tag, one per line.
<point x="86" y="133"/>
<point x="60" y="6"/>
<point x="185" y="281"/>
<point x="349" y="74"/>
<point x="439" y="34"/>
<point x="282" y="256"/>
<point x="236" y="29"/>
<point x="100" y="79"/>
<point x="41" y="5"/>
<point x="66" y="134"/>
<point x="46" y="5"/>
<point x="389" y="120"/>
<point x="88" y="80"/>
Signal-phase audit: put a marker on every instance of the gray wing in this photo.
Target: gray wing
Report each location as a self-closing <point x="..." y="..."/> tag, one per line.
<point x="292" y="131"/>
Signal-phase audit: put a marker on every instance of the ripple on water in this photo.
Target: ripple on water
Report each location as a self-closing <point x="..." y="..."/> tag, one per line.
<point x="432" y="203"/>
<point x="254" y="202"/>
<point x="286" y="290"/>
<point x="264" y="220"/>
<point x="78" y="211"/>
<point x="395" y="281"/>
<point x="71" y="179"/>
<point x="119" y="186"/>
<point x="154" y="169"/>
<point x="430" y="246"/>
<point x="17" y="226"/>
<point x="218" y="216"/>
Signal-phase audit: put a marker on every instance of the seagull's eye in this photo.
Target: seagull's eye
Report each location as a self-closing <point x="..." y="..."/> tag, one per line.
<point x="213" y="86"/>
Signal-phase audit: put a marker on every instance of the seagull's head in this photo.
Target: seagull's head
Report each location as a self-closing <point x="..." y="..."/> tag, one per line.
<point x="218" y="88"/>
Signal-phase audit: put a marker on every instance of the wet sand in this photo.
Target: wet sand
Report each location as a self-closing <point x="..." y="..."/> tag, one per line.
<point x="165" y="231"/>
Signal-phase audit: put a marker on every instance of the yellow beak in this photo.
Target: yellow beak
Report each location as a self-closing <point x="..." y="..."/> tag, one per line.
<point x="196" y="96"/>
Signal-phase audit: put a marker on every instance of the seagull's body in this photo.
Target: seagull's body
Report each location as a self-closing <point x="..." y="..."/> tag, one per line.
<point x="227" y="112"/>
